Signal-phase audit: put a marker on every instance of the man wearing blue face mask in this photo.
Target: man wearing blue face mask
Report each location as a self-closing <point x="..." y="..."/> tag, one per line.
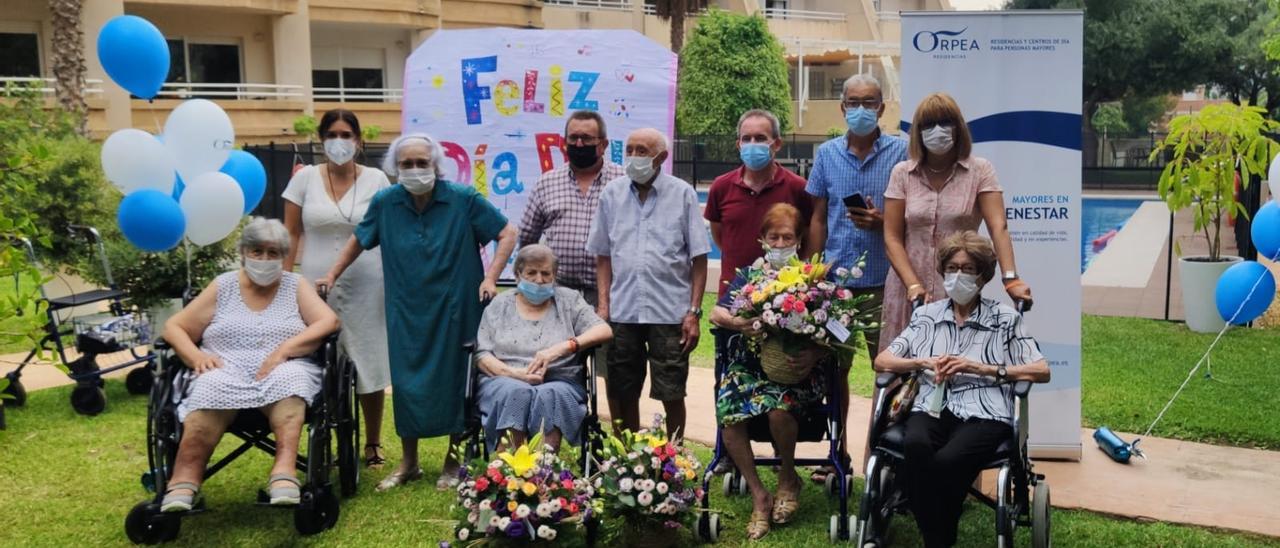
<point x="858" y="162"/>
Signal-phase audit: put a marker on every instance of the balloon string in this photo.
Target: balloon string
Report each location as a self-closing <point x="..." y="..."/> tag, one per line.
<point x="1205" y="357"/>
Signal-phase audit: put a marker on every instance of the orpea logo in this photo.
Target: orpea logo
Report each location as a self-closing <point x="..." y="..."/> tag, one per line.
<point x="928" y="41"/>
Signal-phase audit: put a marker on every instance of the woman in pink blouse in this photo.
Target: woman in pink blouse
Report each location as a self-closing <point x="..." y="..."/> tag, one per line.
<point x="939" y="191"/>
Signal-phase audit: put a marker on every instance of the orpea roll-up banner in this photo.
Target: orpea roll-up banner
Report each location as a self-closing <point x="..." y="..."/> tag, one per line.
<point x="1017" y="78"/>
<point x="498" y="100"/>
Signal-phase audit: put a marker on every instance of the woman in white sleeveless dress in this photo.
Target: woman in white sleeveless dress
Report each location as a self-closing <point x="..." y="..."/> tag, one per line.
<point x="323" y="204"/>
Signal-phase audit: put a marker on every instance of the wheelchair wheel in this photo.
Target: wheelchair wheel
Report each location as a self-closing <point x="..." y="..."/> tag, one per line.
<point x="317" y="512"/>
<point x="88" y="399"/>
<point x="1040" y="516"/>
<point x="733" y="483"/>
<point x="17" y="392"/>
<point x="139" y="381"/>
<point x="146" y="524"/>
<point x="709" y="527"/>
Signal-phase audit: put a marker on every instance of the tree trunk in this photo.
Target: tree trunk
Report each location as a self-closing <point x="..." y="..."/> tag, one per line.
<point x="68" y="60"/>
<point x="678" y="10"/>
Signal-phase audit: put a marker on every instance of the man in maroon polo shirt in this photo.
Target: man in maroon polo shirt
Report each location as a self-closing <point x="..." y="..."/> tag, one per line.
<point x="738" y="200"/>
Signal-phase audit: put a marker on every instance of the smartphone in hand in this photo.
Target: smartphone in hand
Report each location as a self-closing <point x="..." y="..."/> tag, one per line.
<point x="856" y="200"/>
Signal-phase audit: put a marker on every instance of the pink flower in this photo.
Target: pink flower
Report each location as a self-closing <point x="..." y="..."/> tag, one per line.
<point x="799" y="306"/>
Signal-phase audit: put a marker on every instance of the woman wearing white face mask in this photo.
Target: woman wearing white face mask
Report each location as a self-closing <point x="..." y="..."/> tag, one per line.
<point x="256" y="326"/>
<point x="968" y="350"/>
<point x="323" y="203"/>
<point x="940" y="190"/>
<point x="431" y="231"/>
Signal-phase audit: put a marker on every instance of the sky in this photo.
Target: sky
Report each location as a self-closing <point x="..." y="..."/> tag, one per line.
<point x="976" y="4"/>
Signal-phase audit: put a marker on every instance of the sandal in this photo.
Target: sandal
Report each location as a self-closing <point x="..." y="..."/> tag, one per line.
<point x="447" y="481"/>
<point x="785" y="506"/>
<point x="397" y="479"/>
<point x="819" y="474"/>
<point x="288" y="495"/>
<point x="758" y="526"/>
<point x="179" y="503"/>
<point x="373" y="460"/>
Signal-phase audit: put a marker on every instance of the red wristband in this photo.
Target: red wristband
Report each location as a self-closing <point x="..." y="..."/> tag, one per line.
<point x="573" y="345"/>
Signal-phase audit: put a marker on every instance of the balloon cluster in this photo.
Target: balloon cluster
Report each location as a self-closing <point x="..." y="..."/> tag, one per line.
<point x="187" y="182"/>
<point x="1246" y="289"/>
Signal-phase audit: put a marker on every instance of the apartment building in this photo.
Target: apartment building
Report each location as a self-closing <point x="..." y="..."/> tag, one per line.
<point x="267" y="62"/>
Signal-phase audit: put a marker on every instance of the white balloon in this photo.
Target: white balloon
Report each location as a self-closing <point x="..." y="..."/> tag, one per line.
<point x="213" y="203"/>
<point x="199" y="136"/>
<point x="133" y="159"/>
<point x="1273" y="178"/>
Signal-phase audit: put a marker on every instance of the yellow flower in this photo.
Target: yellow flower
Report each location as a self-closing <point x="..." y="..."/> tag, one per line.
<point x="529" y="488"/>
<point x="758" y="296"/>
<point x="513" y="484"/>
<point x="790" y="276"/>
<point x="512" y="505"/>
<point x="522" y="461"/>
<point x="688" y="474"/>
<point x="655" y="441"/>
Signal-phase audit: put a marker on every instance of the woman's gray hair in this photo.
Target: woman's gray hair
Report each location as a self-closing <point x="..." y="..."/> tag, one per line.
<point x="391" y="161"/>
<point x="536" y="254"/>
<point x="976" y="246"/>
<point x="262" y="231"/>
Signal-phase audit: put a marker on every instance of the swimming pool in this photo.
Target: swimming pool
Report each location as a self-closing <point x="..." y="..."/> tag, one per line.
<point x="1099" y="216"/>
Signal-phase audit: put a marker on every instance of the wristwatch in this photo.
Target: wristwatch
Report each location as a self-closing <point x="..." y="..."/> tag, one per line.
<point x="1002" y="373"/>
<point x="1009" y="275"/>
<point x="696" y="311"/>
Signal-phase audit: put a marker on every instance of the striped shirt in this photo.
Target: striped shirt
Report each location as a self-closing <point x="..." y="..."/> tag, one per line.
<point x="558" y="210"/>
<point x="993" y="335"/>
<point x="838" y="173"/>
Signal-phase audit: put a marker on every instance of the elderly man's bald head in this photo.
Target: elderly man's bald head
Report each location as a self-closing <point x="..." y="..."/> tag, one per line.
<point x="652" y="141"/>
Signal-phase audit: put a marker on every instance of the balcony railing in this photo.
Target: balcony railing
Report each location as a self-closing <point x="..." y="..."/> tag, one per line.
<point x="650" y="9"/>
<point x="383" y="95"/>
<point x="92" y="86"/>
<point x="802" y="15"/>
<point x="614" y="5"/>
<point x="241" y="92"/>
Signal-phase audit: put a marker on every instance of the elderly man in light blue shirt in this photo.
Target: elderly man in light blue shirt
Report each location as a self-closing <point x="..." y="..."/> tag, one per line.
<point x="651" y="271"/>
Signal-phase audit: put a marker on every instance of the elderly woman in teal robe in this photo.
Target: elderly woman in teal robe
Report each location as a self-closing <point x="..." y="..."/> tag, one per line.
<point x="431" y="232"/>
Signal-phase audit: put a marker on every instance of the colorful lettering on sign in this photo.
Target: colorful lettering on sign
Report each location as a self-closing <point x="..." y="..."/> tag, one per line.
<point x="615" y="151"/>
<point x="472" y="91"/>
<point x="557" y="92"/>
<point x="546" y="142"/>
<point x="479" y="182"/>
<point x="531" y="92"/>
<point x="506" y="177"/>
<point x="506" y="90"/>
<point x="588" y="81"/>
<point x="459" y="155"/>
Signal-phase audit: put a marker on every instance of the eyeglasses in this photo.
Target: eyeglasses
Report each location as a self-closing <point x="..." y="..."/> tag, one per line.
<point x="869" y="104"/>
<point x="967" y="269"/>
<point x="583" y="140"/>
<point x="410" y="163"/>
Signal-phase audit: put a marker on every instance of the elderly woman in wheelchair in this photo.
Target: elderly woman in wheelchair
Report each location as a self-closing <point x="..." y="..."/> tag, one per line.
<point x="246" y="338"/>
<point x="967" y="352"/>
<point x="526" y="352"/>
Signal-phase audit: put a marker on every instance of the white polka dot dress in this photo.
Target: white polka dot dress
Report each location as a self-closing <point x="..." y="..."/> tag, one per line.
<point x="243" y="339"/>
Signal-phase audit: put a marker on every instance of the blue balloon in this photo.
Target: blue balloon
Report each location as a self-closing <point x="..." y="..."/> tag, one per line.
<point x="249" y="173"/>
<point x="134" y="54"/>
<point x="1265" y="230"/>
<point x="1235" y="304"/>
<point x="151" y="220"/>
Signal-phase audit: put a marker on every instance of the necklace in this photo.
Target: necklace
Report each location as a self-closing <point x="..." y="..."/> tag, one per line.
<point x="337" y="203"/>
<point x="926" y="166"/>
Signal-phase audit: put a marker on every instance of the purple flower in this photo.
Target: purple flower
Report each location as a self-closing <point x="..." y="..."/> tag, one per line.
<point x="516" y="529"/>
<point x="669" y="524"/>
<point x="566" y="475"/>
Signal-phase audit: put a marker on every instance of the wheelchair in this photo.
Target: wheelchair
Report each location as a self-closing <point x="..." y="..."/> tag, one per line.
<point x="1022" y="496"/>
<point x="116" y="330"/>
<point x="818" y="427"/>
<point x="332" y="426"/>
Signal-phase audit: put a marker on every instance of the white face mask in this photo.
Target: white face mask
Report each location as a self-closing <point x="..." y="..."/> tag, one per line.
<point x="640" y="168"/>
<point x="340" y="151"/>
<point x="417" y="180"/>
<point x="263" y="272"/>
<point x="938" y="139"/>
<point x="960" y="287"/>
<point x="780" y="256"/>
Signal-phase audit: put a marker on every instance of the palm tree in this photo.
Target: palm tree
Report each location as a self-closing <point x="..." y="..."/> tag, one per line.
<point x="68" y="59"/>
<point x="674" y="11"/>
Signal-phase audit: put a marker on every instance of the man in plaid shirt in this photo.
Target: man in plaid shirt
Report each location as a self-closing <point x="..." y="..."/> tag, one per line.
<point x="565" y="201"/>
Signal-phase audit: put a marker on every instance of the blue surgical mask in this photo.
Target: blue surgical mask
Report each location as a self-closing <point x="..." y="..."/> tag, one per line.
<point x="535" y="293"/>
<point x="861" y="122"/>
<point x="756" y="156"/>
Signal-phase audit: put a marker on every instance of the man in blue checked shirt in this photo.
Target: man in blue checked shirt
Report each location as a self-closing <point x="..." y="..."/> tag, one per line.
<point x="858" y="162"/>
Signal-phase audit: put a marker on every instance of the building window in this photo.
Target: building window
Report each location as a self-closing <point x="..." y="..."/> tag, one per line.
<point x="19" y="54"/>
<point x="348" y="74"/>
<point x="205" y="63"/>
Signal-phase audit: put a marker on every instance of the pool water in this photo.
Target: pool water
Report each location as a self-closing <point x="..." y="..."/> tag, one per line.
<point x="1099" y="216"/>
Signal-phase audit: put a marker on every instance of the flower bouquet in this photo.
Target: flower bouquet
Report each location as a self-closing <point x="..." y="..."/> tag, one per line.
<point x="648" y="485"/>
<point x="800" y="305"/>
<point x="524" y="497"/>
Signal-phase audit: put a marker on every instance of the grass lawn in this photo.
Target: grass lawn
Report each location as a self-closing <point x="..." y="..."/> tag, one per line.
<point x="69" y="480"/>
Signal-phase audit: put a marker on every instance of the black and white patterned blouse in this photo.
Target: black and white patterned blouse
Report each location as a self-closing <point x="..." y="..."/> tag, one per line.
<point x="993" y="335"/>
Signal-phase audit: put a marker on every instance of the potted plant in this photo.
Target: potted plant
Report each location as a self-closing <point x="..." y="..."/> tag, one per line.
<point x="1211" y="150"/>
